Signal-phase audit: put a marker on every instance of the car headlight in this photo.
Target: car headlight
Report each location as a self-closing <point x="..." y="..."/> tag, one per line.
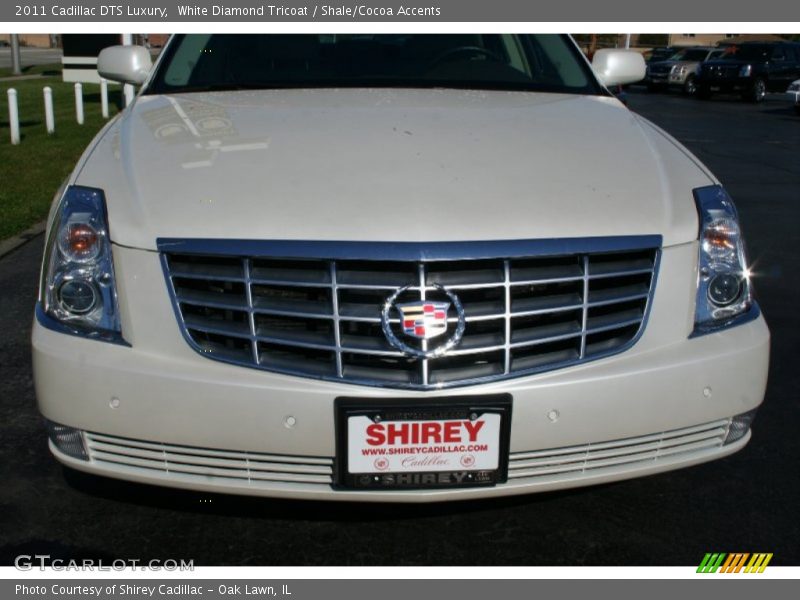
<point x="723" y="284"/>
<point x="746" y="71"/>
<point x="678" y="70"/>
<point x="794" y="87"/>
<point x="77" y="293"/>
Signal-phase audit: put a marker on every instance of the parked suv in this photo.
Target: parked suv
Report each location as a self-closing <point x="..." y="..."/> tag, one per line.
<point x="680" y="70"/>
<point x="391" y="268"/>
<point x="751" y="69"/>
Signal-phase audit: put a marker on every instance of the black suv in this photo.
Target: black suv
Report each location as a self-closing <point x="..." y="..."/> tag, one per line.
<point x="752" y="69"/>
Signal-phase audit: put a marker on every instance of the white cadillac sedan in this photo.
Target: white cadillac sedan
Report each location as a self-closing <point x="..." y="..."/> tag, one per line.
<point x="391" y="268"/>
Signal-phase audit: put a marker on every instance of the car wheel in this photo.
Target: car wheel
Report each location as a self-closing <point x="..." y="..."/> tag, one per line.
<point x="797" y="108"/>
<point x="690" y="87"/>
<point x="758" y="92"/>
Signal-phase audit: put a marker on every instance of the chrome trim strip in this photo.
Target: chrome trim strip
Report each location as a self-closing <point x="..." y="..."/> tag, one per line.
<point x="424" y="360"/>
<point x="746" y="317"/>
<point x="337" y="334"/>
<point x="45" y="320"/>
<point x="251" y="317"/>
<point x="507" y="325"/>
<point x="408" y="251"/>
<point x="585" y="307"/>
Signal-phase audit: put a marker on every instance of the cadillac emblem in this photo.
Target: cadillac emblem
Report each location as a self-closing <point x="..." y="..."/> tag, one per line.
<point x="423" y="320"/>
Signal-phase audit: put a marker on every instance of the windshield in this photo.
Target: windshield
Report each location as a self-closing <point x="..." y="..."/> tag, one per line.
<point x="750" y="52"/>
<point x="548" y="63"/>
<point x="660" y="54"/>
<point x="693" y="55"/>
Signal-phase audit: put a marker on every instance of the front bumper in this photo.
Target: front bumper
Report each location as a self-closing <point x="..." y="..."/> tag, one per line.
<point x="726" y="84"/>
<point x="157" y="412"/>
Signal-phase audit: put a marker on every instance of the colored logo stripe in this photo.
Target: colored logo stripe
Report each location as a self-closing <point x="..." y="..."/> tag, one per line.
<point x="734" y="562"/>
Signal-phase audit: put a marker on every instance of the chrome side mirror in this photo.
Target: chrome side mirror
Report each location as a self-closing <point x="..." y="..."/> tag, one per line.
<point x="125" y="64"/>
<point x="618" y="67"/>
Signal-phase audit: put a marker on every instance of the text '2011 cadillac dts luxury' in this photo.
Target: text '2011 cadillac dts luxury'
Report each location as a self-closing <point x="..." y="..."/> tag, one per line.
<point x="391" y="268"/>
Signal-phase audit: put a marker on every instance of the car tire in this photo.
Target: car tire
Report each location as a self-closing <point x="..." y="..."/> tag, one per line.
<point x="758" y="91"/>
<point x="797" y="108"/>
<point x="689" y="86"/>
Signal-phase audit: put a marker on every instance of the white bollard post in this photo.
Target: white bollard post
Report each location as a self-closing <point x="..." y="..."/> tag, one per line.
<point x="79" y="103"/>
<point x="13" y="115"/>
<point x="104" y="98"/>
<point x="129" y="93"/>
<point x="49" y="117"/>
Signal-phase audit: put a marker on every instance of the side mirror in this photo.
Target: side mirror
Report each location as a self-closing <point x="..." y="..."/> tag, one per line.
<point x="125" y="64"/>
<point x="618" y="67"/>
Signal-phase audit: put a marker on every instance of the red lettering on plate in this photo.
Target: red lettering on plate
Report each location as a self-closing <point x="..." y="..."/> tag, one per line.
<point x="375" y="435"/>
<point x="473" y="427"/>
<point x="395" y="432"/>
<point x="451" y="431"/>
<point x="431" y="432"/>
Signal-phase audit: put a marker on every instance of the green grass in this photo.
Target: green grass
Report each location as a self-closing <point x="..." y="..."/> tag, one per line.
<point x="51" y="69"/>
<point x="31" y="172"/>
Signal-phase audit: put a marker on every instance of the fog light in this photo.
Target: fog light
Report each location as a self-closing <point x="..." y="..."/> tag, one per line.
<point x="77" y="296"/>
<point x="740" y="425"/>
<point x="67" y="440"/>
<point x="724" y="289"/>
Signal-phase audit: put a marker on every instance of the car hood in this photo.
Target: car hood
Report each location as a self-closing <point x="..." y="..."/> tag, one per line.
<point x="731" y="62"/>
<point x="389" y="165"/>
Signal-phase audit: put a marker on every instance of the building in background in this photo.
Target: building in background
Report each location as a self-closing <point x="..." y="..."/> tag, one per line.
<point x="80" y="55"/>
<point x="34" y="40"/>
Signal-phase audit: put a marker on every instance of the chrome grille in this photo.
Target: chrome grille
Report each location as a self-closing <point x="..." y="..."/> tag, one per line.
<point x="660" y="69"/>
<point x="321" y="318"/>
<point x="721" y="70"/>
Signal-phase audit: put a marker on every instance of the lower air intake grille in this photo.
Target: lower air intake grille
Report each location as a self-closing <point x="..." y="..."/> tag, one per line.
<point x="268" y="471"/>
<point x="205" y="463"/>
<point x="576" y="461"/>
<point x="321" y="318"/>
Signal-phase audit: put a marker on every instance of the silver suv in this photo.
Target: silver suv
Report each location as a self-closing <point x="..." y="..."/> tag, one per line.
<point x="680" y="70"/>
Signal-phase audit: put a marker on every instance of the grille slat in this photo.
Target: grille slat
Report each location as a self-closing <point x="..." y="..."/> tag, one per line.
<point x="579" y="460"/>
<point x="208" y="463"/>
<point x="321" y="318"/>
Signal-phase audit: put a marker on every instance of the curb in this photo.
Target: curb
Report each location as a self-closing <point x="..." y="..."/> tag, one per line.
<point x="11" y="244"/>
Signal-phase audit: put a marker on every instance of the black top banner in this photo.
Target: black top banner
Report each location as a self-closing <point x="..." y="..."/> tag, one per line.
<point x="410" y="11"/>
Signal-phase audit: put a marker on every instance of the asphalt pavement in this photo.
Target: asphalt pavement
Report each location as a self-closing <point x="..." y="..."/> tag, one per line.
<point x="31" y="56"/>
<point x="745" y="503"/>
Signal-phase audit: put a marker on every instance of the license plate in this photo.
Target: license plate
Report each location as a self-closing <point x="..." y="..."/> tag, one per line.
<point x="450" y="442"/>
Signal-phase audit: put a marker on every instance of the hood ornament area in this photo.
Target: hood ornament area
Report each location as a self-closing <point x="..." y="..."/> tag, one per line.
<point x="423" y="320"/>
